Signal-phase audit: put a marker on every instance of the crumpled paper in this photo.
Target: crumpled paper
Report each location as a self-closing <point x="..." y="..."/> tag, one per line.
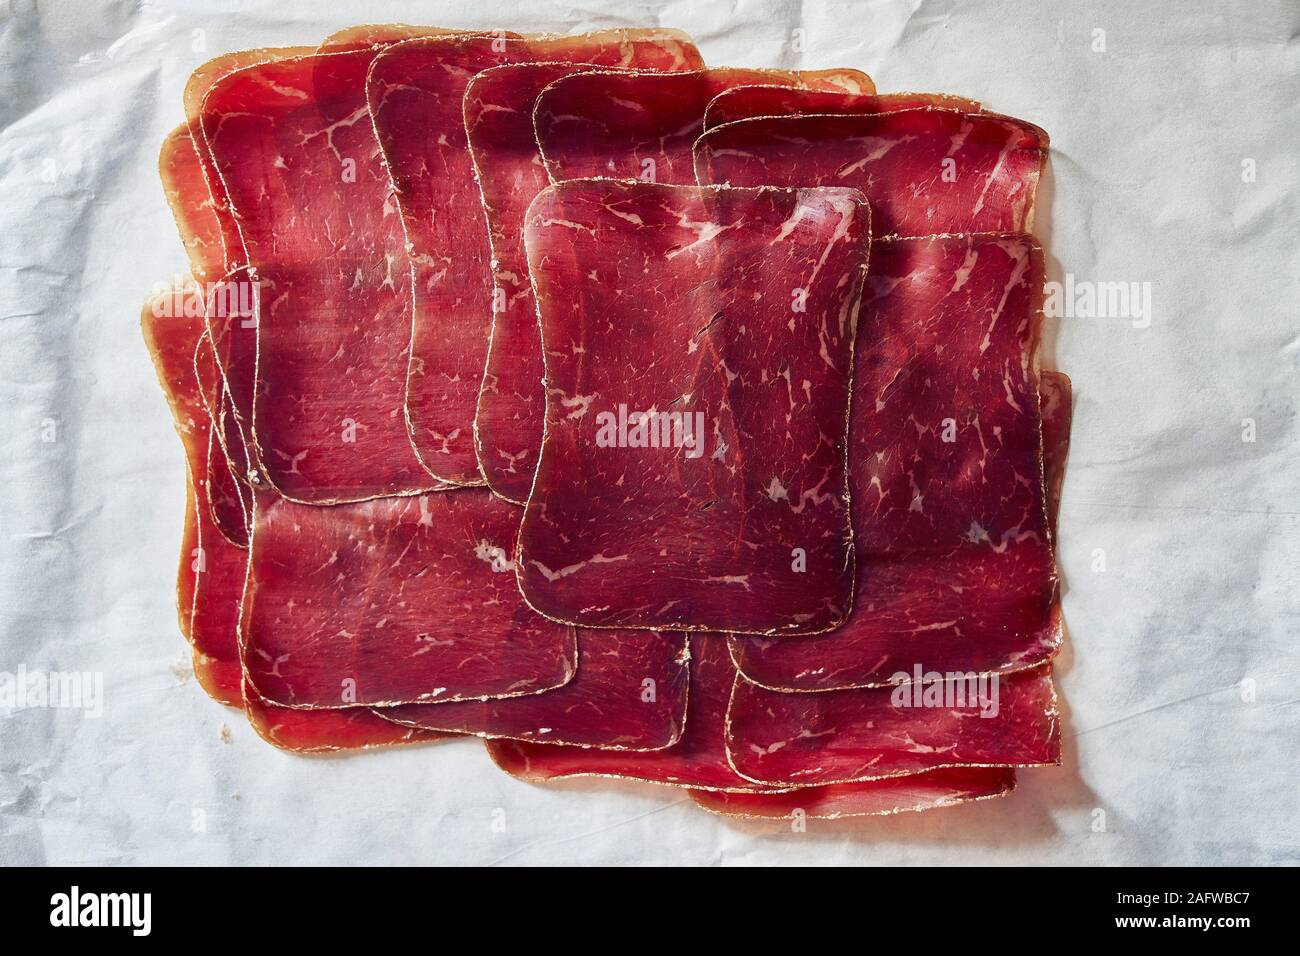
<point x="1173" y="172"/>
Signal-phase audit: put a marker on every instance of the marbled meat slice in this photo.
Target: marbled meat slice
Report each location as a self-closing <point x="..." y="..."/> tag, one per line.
<point x="747" y="102"/>
<point x="292" y="142"/>
<point x="171" y="333"/>
<point x="919" y="791"/>
<point x="956" y="567"/>
<point x="326" y="731"/>
<point x="197" y="221"/>
<point x="641" y="125"/>
<point x="395" y="600"/>
<point x="845" y="736"/>
<point x="1056" y="399"/>
<point x="698" y="346"/>
<point x="925" y="171"/>
<point x="416" y="91"/>
<point x="698" y="759"/>
<point x="600" y="123"/>
<point x="629" y="693"/>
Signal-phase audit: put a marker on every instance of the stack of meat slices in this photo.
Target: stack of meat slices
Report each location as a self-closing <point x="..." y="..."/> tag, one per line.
<point x="645" y="419"/>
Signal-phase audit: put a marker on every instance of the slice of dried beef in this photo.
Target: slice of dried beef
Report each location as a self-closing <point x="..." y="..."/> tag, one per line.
<point x="698" y="346"/>
<point x="919" y="791"/>
<point x="171" y="333"/>
<point x="416" y="91"/>
<point x="326" y="731"/>
<point x="925" y="171"/>
<point x="785" y="739"/>
<point x="293" y="145"/>
<point x="639" y="125"/>
<point x="747" y="102"/>
<point x="642" y="125"/>
<point x="629" y="694"/>
<point x="956" y="568"/>
<point x="396" y="600"/>
<point x="697" y="759"/>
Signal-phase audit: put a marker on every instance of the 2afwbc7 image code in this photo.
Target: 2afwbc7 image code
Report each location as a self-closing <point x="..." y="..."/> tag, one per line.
<point x="644" y="418"/>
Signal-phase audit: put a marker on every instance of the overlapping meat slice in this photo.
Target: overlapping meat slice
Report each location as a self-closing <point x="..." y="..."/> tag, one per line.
<point x="642" y="125"/>
<point x="326" y="731"/>
<point x="292" y="143"/>
<point x="1056" y="400"/>
<point x="630" y="693"/>
<point x="697" y="759"/>
<point x="956" y="567"/>
<point x="920" y="791"/>
<point x="595" y="123"/>
<point x="396" y="600"/>
<point x="171" y="335"/>
<point x="925" y="171"/>
<point x="210" y="579"/>
<point x="416" y="91"/>
<point x="698" y="346"/>
<point x="195" y="213"/>
<point x="783" y="739"/>
<point x="747" y="102"/>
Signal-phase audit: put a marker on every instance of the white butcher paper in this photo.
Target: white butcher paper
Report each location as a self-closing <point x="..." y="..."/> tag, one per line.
<point x="1173" y="166"/>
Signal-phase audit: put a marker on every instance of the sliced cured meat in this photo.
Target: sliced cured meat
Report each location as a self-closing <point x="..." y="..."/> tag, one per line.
<point x="293" y="146"/>
<point x="956" y="565"/>
<point x="641" y="125"/>
<point x="396" y="600"/>
<point x="196" y="217"/>
<point x="1056" y="396"/>
<point x="171" y="336"/>
<point x="918" y="791"/>
<point x="326" y="731"/>
<point x="416" y="92"/>
<point x="229" y="499"/>
<point x="780" y="739"/>
<point x="629" y="694"/>
<point x="192" y="205"/>
<point x="698" y="759"/>
<point x="228" y="252"/>
<point x="597" y="123"/>
<point x="498" y="110"/>
<point x="925" y="171"/>
<point x="746" y="102"/>
<point x="698" y="346"/>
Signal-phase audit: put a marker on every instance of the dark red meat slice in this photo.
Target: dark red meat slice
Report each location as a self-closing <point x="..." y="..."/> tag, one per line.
<point x="396" y="600"/>
<point x="698" y="759"/>
<point x="324" y="731"/>
<point x="292" y="142"/>
<point x="598" y="123"/>
<point x="416" y="93"/>
<point x="1056" y="398"/>
<point x="641" y="125"/>
<point x="746" y="102"/>
<point x="171" y="337"/>
<point x="210" y="579"/>
<point x="192" y="205"/>
<point x="195" y="213"/>
<point x="229" y="500"/>
<point x="629" y="694"/>
<point x="918" y="791"/>
<point x="898" y="160"/>
<point x="782" y="739"/>
<point x="956" y="569"/>
<point x="735" y="311"/>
